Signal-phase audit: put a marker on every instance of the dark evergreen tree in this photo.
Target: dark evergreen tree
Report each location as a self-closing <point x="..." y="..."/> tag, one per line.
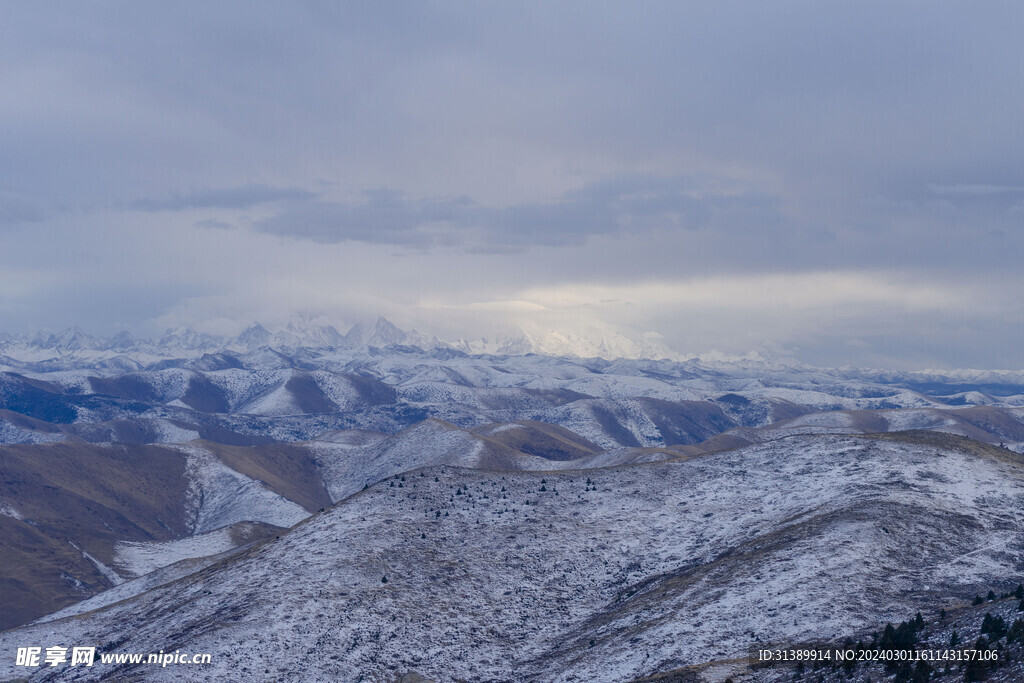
<point x="1016" y="632"/>
<point x="977" y="669"/>
<point x="849" y="665"/>
<point x="922" y="672"/>
<point x="996" y="627"/>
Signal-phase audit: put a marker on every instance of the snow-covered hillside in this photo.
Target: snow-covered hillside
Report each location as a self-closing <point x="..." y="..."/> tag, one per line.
<point x="267" y="395"/>
<point x="605" y="574"/>
<point x="100" y="513"/>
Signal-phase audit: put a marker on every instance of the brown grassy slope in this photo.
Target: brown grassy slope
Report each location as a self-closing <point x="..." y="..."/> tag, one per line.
<point x="541" y="439"/>
<point x="84" y="494"/>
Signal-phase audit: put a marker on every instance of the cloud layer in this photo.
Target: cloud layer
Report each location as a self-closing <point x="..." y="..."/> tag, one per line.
<point x="835" y="182"/>
<point x="618" y="207"/>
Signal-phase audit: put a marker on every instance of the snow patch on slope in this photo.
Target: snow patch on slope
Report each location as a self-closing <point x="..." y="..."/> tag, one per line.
<point x="9" y="511"/>
<point x="108" y="573"/>
<point x="168" y="432"/>
<point x="12" y="434"/>
<point x="133" y="587"/>
<point x="138" y="558"/>
<point x="218" y="496"/>
<point x="278" y="402"/>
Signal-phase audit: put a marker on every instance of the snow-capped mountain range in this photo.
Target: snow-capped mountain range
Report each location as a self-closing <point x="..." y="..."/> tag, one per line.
<point x="76" y="344"/>
<point x="74" y="348"/>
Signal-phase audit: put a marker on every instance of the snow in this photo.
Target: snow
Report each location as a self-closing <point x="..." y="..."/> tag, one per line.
<point x="917" y="419"/>
<point x="833" y="420"/>
<point x="507" y="427"/>
<point x="479" y="390"/>
<point x="138" y="558"/>
<point x="171" y="433"/>
<point x="133" y="587"/>
<point x="70" y="380"/>
<point x="339" y="390"/>
<point x="347" y="469"/>
<point x="219" y="496"/>
<point x="626" y="571"/>
<point x="246" y="386"/>
<point x="10" y="511"/>
<point x="274" y="403"/>
<point x="10" y="433"/>
<point x="108" y="573"/>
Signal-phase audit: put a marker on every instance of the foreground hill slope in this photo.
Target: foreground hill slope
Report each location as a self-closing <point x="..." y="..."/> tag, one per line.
<point x="66" y="508"/>
<point x="605" y="574"/>
<point x="76" y="519"/>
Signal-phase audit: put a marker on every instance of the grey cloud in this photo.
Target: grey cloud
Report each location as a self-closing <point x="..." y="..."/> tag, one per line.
<point x="976" y="189"/>
<point x="15" y="209"/>
<point x="386" y="216"/>
<point x="240" y="197"/>
<point x="614" y="207"/>
<point x="213" y="224"/>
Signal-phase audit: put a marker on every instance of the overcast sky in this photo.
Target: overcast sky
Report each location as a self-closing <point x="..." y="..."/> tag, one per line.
<point x="839" y="183"/>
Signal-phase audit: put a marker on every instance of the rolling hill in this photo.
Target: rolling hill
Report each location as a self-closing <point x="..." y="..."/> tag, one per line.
<point x="611" y="573"/>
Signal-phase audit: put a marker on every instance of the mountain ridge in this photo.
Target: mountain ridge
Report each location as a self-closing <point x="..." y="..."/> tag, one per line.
<point x="306" y="334"/>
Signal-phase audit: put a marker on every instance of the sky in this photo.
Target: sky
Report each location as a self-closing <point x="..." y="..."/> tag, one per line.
<point x="837" y="183"/>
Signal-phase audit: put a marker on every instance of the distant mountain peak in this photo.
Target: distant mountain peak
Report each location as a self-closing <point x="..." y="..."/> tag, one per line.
<point x="75" y="339"/>
<point x="122" y="341"/>
<point x="185" y="338"/>
<point x="253" y="337"/>
<point x="387" y="331"/>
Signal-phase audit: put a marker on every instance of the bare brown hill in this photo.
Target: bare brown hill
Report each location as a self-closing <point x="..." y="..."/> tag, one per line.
<point x="544" y="440"/>
<point x="64" y="501"/>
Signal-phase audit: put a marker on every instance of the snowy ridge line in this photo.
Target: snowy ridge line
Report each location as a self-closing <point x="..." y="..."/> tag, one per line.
<point x="122" y="350"/>
<point x="185" y="342"/>
<point x="266" y="396"/>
